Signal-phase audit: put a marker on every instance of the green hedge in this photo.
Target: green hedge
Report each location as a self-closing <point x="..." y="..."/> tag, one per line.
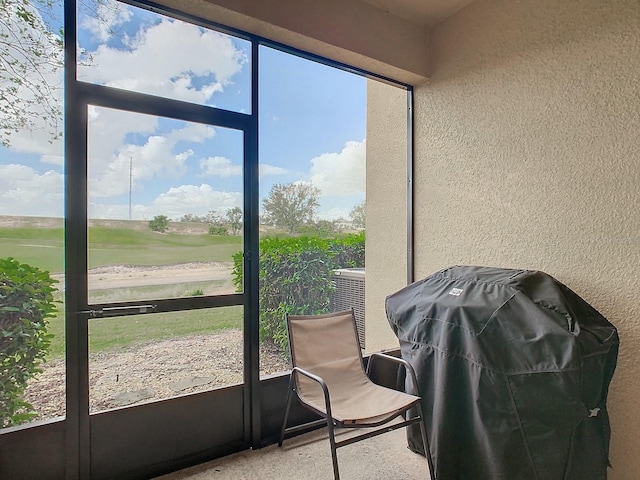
<point x="296" y="277"/>
<point x="26" y="301"/>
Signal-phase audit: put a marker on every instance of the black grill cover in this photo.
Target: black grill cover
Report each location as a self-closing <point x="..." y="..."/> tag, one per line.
<point x="513" y="368"/>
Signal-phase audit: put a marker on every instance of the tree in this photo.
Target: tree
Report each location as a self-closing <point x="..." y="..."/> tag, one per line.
<point x="234" y="216"/>
<point x="218" y="230"/>
<point x="160" y="223"/>
<point x="190" y="217"/>
<point x="217" y="223"/>
<point x="340" y="223"/>
<point x="290" y="205"/>
<point x="358" y="215"/>
<point x="214" y="218"/>
<point x="31" y="64"/>
<point x="321" y="228"/>
<point x="31" y="61"/>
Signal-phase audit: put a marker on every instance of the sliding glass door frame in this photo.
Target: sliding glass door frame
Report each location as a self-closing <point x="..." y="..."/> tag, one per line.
<point x="79" y="96"/>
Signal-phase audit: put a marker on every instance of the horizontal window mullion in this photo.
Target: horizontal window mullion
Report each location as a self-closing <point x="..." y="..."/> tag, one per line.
<point x="119" y="309"/>
<point x="116" y="98"/>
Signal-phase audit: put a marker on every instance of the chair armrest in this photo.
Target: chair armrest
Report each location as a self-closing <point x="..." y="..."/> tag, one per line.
<point x="321" y="382"/>
<point x="400" y="361"/>
<point x="312" y="376"/>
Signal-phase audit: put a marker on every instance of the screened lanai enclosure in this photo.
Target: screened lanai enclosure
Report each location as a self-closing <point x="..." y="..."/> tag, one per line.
<point x="152" y="226"/>
<point x="513" y="128"/>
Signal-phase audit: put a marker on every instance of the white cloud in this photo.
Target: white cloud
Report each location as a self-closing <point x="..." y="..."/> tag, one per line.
<point x="53" y="159"/>
<point x="108" y="211"/>
<point x="25" y="192"/>
<point x="267" y="170"/>
<point x="341" y="173"/>
<point x="38" y="141"/>
<point x="118" y="210"/>
<point x="174" y="203"/>
<point x="192" y="132"/>
<point x="154" y="153"/>
<point x="200" y="64"/>
<point x="198" y="200"/>
<point x="219" y="167"/>
<point x="334" y="214"/>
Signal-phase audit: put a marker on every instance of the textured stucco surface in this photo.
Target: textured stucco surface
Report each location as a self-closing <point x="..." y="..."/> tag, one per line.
<point x="386" y="244"/>
<point x="527" y="156"/>
<point x="423" y="12"/>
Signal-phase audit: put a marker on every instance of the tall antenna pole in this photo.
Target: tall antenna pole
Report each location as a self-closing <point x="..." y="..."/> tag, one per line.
<point x="130" y="182"/>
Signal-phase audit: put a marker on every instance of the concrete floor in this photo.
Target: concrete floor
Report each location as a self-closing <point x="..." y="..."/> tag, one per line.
<point x="308" y="457"/>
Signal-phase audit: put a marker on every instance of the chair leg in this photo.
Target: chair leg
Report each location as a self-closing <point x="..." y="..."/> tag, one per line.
<point x="334" y="453"/>
<point x="425" y="443"/>
<point x="286" y="410"/>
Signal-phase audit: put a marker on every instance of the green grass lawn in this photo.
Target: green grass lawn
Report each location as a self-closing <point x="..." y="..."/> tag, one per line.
<point x="118" y="243"/>
<point x="44" y="247"/>
<point x="129" y="243"/>
<point x="41" y="247"/>
<point x="120" y="332"/>
<point x="101" y="255"/>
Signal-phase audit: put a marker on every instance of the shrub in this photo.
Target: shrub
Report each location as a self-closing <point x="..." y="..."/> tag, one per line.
<point x="348" y="251"/>
<point x="296" y="277"/>
<point x="238" y="264"/>
<point x="218" y="230"/>
<point x="26" y="301"/>
<point x="160" y="223"/>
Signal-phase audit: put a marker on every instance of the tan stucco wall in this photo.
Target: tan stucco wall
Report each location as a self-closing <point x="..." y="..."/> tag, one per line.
<point x="527" y="155"/>
<point x="526" y="151"/>
<point x="386" y="227"/>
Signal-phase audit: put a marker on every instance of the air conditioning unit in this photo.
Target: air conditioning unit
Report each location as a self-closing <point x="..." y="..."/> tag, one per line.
<point x="349" y="293"/>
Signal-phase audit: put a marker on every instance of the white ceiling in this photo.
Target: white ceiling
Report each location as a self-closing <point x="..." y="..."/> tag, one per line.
<point x="423" y="12"/>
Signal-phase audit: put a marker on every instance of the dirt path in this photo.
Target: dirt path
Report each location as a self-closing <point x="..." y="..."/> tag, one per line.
<point x="125" y="276"/>
<point x="152" y="371"/>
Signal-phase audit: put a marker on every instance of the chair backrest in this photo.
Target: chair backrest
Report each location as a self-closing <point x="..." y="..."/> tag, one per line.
<point x="317" y="341"/>
<point x="327" y="346"/>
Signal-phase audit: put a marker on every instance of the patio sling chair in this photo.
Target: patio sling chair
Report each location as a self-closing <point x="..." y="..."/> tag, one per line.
<point x="328" y="378"/>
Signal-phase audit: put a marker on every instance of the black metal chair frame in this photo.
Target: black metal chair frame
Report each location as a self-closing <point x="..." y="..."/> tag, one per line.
<point x="333" y="424"/>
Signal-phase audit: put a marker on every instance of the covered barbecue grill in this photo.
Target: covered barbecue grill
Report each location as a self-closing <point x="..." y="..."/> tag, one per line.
<point x="513" y="368"/>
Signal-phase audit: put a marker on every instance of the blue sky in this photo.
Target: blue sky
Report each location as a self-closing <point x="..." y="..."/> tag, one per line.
<point x="312" y="126"/>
